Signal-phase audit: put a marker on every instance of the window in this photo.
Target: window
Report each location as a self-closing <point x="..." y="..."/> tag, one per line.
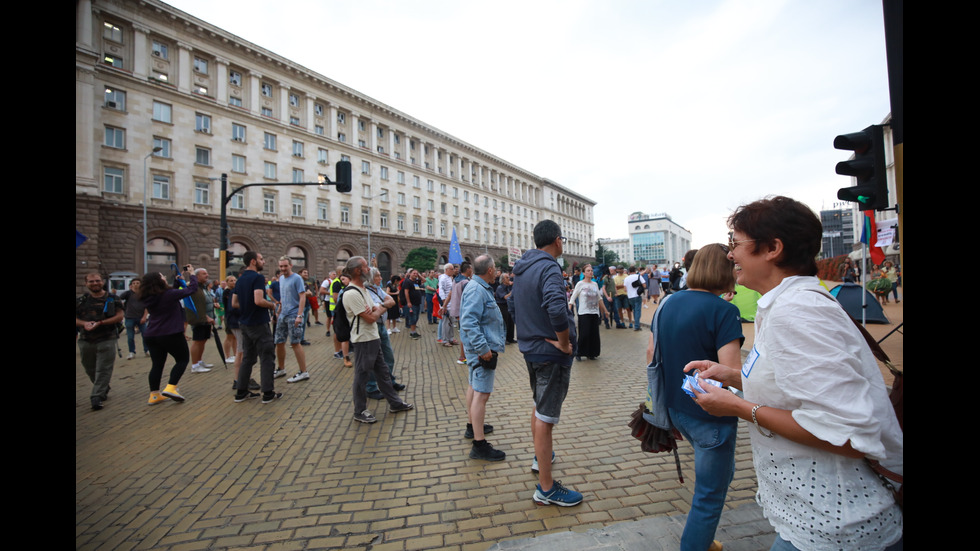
<point x="238" y="163"/>
<point x="294" y="120"/>
<point x="442" y="228"/>
<point x="115" y="99"/>
<point x="161" y="187"/>
<point x="198" y="89"/>
<point x="365" y="216"/>
<point x="266" y="112"/>
<point x="297" y="149"/>
<point x="164" y="145"/>
<point x="161" y="50"/>
<point x="202" y="156"/>
<point x="318" y="109"/>
<point x="384" y="219"/>
<point x="365" y="167"/>
<point x="237" y="132"/>
<point x="269" y="141"/>
<point x="416" y="202"/>
<point x="429" y="227"/>
<point x="294" y="100"/>
<point x="202" y="123"/>
<point x="401" y="199"/>
<point x="238" y="201"/>
<point x="269" y="202"/>
<point x="233" y="101"/>
<point x="266" y="90"/>
<point x="345" y="214"/>
<point x="385" y="197"/>
<point x="112" y="180"/>
<point x="298" y="176"/>
<point x="366" y="191"/>
<point x="161" y="112"/>
<point x="416" y="224"/>
<point x="442" y="208"/>
<point x="401" y="222"/>
<point x="432" y="206"/>
<point x="270" y="170"/>
<point x="416" y="182"/>
<point x="297" y="207"/>
<point x="341" y="137"/>
<point x="455" y="193"/>
<point x="323" y="210"/>
<point x="400" y="177"/>
<point x="341" y="118"/>
<point x="318" y="130"/>
<point x="115" y="137"/>
<point x="431" y="186"/>
<point x="111" y="32"/>
<point x="360" y="125"/>
<point x="202" y="192"/>
<point x="321" y="156"/>
<point x="201" y="65"/>
<point x="234" y="78"/>
<point x="384" y="173"/>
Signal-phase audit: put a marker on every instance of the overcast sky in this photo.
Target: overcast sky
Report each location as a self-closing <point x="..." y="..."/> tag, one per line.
<point x="685" y="108"/>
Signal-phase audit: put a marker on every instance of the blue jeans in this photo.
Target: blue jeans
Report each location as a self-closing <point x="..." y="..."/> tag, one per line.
<point x="714" y="468"/>
<point x="611" y="312"/>
<point x="131" y="324"/>
<point x="411" y="315"/>
<point x="637" y="304"/>
<point x="428" y="306"/>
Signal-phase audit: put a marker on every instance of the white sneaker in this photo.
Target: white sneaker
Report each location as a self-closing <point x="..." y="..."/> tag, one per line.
<point x="301" y="376"/>
<point x="278" y="373"/>
<point x="396" y="330"/>
<point x="202" y="363"/>
<point x="645" y="306"/>
<point x="230" y="360"/>
<point x="199" y="368"/>
<point x="131" y="356"/>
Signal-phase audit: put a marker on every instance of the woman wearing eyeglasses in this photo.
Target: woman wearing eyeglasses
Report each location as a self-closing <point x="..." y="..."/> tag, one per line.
<point x="813" y="391"/>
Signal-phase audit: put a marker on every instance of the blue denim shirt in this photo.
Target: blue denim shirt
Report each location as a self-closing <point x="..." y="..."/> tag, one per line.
<point x="481" y="326"/>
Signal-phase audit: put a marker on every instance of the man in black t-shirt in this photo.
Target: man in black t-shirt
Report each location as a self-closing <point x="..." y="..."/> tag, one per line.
<point x="411" y="300"/>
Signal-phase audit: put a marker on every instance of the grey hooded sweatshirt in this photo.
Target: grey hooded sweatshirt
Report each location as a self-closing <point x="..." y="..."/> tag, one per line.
<point x="541" y="308"/>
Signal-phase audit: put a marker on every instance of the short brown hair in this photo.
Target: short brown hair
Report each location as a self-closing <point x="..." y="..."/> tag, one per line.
<point x="711" y="270"/>
<point x="788" y="220"/>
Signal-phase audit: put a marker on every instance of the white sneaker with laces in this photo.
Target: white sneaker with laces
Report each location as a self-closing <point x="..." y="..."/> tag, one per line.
<point x="301" y="376"/>
<point x="199" y="368"/>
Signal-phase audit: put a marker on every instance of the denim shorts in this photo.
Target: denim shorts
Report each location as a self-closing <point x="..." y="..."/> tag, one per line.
<point x="287" y="327"/>
<point x="549" y="385"/>
<point x="482" y="379"/>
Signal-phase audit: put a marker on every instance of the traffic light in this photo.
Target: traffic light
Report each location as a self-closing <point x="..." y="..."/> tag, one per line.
<point x="343" y="176"/>
<point x="867" y="166"/>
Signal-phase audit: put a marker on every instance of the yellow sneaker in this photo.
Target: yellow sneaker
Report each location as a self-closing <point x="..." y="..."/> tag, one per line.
<point x="715" y="546"/>
<point x="155" y="398"/>
<point x="172" y="393"/>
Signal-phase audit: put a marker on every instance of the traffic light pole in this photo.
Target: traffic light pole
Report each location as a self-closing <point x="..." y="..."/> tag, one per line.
<point x="343" y="184"/>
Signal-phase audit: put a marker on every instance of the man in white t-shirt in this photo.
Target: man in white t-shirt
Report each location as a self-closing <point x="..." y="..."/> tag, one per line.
<point x="363" y="315"/>
<point x="634" y="294"/>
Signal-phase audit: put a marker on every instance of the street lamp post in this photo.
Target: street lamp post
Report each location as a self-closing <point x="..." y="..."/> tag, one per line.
<point x="146" y="253"/>
<point x="370" y="198"/>
<point x="342" y="182"/>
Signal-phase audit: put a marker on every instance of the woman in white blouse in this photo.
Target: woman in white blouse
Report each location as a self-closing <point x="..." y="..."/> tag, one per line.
<point x="813" y="390"/>
<point x="589" y="307"/>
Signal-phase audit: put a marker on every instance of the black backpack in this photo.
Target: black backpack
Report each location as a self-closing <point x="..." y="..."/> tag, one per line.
<point x="341" y="325"/>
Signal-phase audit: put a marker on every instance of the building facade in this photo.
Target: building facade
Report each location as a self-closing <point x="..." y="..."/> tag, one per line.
<point x="838" y="232"/>
<point x="657" y="239"/>
<point x="166" y="104"/>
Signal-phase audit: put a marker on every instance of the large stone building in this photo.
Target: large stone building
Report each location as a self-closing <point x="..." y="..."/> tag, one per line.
<point x="657" y="239"/>
<point x="167" y="103"/>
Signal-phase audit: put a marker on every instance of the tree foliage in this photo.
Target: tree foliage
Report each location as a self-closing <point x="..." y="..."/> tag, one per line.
<point x="421" y="258"/>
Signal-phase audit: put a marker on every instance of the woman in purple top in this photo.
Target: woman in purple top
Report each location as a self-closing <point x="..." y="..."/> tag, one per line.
<point x="165" y="331"/>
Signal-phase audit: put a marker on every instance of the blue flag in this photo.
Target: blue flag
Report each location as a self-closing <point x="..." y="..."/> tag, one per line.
<point x="79" y="238"/>
<point x="455" y="255"/>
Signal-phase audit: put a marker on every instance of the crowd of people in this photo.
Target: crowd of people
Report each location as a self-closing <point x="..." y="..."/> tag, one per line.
<point x="818" y="407"/>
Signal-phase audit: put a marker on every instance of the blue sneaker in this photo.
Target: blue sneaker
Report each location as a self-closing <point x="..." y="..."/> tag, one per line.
<point x="559" y="495"/>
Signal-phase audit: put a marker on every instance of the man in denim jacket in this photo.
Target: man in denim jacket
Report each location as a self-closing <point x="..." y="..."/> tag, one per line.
<point x="481" y="330"/>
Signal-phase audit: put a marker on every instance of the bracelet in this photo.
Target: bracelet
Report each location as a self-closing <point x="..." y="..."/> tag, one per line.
<point x="758" y="427"/>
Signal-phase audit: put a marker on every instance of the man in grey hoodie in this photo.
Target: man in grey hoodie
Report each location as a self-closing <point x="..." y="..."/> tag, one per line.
<point x="546" y="337"/>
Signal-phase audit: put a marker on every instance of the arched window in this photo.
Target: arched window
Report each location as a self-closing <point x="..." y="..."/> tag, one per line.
<point x="161" y="253"/>
<point x="298" y="256"/>
<point x="384" y="265"/>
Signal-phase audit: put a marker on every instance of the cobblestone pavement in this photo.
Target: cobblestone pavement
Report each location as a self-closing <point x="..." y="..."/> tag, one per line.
<point x="300" y="473"/>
